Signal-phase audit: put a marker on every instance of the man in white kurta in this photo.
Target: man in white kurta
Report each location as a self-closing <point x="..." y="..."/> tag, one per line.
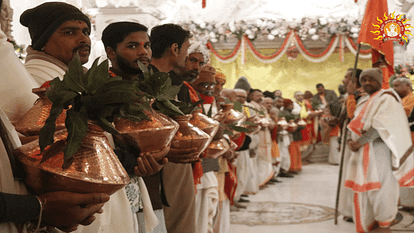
<point x="382" y="158"/>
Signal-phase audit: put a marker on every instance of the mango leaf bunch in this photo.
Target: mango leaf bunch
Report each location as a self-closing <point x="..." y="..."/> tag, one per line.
<point x="158" y="88"/>
<point x="92" y="96"/>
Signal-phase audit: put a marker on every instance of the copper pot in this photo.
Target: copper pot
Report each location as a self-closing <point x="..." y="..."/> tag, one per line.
<point x="283" y="123"/>
<point x="291" y="126"/>
<point x="217" y="148"/>
<point x="147" y="135"/>
<point x="228" y="115"/>
<point x="189" y="136"/>
<point x="94" y="168"/>
<point x="34" y="119"/>
<point x="205" y="123"/>
<point x="302" y="122"/>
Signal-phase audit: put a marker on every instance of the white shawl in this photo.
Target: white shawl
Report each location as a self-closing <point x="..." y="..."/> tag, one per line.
<point x="383" y="112"/>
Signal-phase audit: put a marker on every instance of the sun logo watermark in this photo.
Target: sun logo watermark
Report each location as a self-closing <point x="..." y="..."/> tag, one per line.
<point x="392" y="28"/>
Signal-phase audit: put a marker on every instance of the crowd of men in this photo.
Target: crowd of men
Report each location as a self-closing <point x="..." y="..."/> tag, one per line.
<point x="192" y="194"/>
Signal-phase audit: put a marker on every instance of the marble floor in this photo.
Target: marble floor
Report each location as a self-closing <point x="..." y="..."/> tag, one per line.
<point x="315" y="185"/>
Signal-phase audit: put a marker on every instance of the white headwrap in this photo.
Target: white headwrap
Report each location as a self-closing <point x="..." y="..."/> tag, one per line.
<point x="197" y="47"/>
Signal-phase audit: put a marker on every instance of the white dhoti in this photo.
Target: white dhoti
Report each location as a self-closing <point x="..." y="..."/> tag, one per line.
<point x="243" y="173"/>
<point x="284" y="142"/>
<point x="160" y="228"/>
<point x="252" y="185"/>
<point x="377" y="169"/>
<point x="380" y="205"/>
<point x="206" y="202"/>
<point x="334" y="156"/>
<point x="345" y="194"/>
<point x="222" y="219"/>
<point x="264" y="158"/>
<point x="116" y="217"/>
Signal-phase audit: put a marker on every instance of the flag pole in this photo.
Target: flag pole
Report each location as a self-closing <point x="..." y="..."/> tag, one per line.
<point x="344" y="143"/>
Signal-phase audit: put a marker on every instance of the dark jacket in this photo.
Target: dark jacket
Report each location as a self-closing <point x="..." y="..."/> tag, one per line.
<point x="330" y="96"/>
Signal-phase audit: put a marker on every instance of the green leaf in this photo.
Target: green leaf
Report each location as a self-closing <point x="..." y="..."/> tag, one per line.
<point x="228" y="132"/>
<point x="74" y="75"/>
<point x="169" y="94"/>
<point x="96" y="76"/>
<point x="210" y="111"/>
<point x="167" y="108"/>
<point x="238" y="106"/>
<point x="248" y="123"/>
<point x="107" y="126"/>
<point x="56" y="90"/>
<point x="48" y="130"/>
<point x="136" y="118"/>
<point x="186" y="108"/>
<point x="110" y="97"/>
<point x="238" y="128"/>
<point x="77" y="126"/>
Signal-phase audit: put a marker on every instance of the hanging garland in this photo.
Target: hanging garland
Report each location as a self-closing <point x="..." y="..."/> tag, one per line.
<point x="363" y="53"/>
<point x="323" y="53"/>
<point x="253" y="49"/>
<point x="292" y="38"/>
<point x="355" y="47"/>
<point x="317" y="57"/>
<point x="225" y="59"/>
<point x="232" y="54"/>
<point x="274" y="57"/>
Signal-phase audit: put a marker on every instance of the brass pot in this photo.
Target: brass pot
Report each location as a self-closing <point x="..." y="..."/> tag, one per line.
<point x="34" y="119"/>
<point x="147" y="135"/>
<point x="189" y="136"/>
<point x="94" y="168"/>
<point x="217" y="148"/>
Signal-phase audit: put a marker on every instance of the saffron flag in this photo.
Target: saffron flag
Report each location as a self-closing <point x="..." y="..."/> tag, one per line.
<point x="377" y="9"/>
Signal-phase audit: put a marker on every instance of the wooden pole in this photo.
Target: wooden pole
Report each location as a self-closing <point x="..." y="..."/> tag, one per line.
<point x="344" y="143"/>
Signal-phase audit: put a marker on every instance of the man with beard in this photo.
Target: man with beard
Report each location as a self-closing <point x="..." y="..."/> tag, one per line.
<point x="126" y="43"/>
<point x="169" y="44"/>
<point x="206" y="182"/>
<point x="381" y="158"/>
<point x="58" y="31"/>
<point x="198" y="56"/>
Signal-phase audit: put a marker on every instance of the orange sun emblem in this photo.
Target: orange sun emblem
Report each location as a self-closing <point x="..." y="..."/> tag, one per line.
<point x="392" y="28"/>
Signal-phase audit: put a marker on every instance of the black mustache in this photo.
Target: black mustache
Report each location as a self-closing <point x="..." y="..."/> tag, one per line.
<point x="82" y="47"/>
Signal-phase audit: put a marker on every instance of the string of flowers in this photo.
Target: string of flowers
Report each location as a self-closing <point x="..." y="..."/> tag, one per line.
<point x="269" y="29"/>
<point x="292" y="41"/>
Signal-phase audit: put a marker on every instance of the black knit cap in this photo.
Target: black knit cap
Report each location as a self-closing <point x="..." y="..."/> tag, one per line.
<point x="46" y="18"/>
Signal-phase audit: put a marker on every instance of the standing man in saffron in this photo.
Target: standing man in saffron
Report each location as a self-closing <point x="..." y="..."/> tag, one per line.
<point x="381" y="154"/>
